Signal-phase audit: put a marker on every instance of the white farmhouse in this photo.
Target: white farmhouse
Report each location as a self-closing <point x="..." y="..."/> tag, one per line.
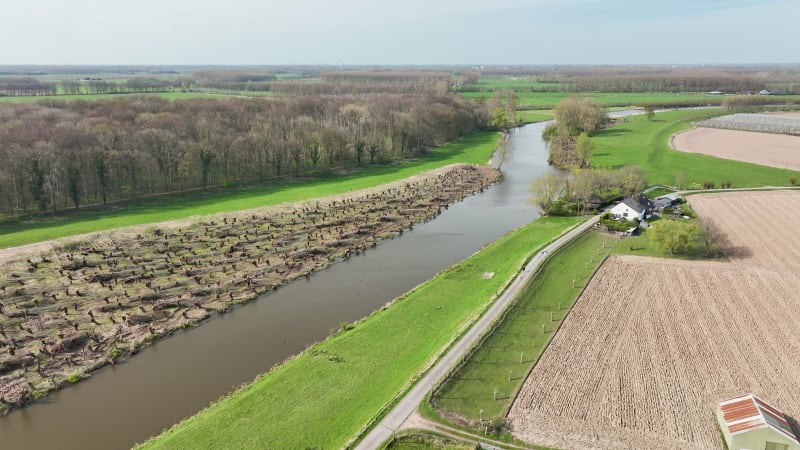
<point x="630" y="208"/>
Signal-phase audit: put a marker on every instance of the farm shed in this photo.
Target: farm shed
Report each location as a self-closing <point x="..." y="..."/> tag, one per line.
<point x="665" y="201"/>
<point x="630" y="208"/>
<point x="747" y="422"/>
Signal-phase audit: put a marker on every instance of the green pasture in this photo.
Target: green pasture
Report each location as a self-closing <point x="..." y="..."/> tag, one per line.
<point x="475" y="149"/>
<point x="166" y="95"/>
<point x="644" y="143"/>
<point x="534" y="116"/>
<point x="506" y="356"/>
<point x="547" y="100"/>
<point x="511" y="82"/>
<point x="323" y="397"/>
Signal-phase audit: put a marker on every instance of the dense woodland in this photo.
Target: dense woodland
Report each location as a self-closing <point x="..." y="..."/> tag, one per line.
<point x="57" y="154"/>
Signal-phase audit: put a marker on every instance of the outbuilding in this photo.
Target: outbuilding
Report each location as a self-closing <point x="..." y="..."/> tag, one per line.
<point x="747" y="422"/>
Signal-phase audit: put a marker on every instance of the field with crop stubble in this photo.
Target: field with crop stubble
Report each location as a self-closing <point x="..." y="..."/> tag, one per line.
<point x="653" y="345"/>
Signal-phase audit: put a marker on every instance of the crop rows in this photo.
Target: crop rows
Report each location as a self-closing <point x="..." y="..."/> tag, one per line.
<point x="761" y="123"/>
<point x="653" y="345"/>
<point x="66" y="313"/>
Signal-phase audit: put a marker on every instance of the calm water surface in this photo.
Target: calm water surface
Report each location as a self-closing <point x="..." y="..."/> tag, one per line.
<point x="125" y="404"/>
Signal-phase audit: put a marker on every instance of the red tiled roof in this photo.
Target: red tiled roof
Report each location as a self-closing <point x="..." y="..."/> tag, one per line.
<point x="748" y="412"/>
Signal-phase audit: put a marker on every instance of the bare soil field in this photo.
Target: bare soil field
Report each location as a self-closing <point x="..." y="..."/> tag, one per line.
<point x="774" y="150"/>
<point x="653" y="345"/>
<point x="789" y="114"/>
<point x="80" y="304"/>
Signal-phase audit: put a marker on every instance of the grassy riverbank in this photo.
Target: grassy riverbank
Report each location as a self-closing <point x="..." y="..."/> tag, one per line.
<point x="476" y="149"/>
<point x="517" y="342"/>
<point x="323" y="397"/>
<point x="644" y="143"/>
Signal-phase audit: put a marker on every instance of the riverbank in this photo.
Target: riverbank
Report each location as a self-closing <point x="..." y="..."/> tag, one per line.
<point x="336" y="387"/>
<point x="70" y="311"/>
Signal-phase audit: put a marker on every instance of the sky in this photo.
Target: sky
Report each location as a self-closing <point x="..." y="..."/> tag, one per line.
<point x="399" y="32"/>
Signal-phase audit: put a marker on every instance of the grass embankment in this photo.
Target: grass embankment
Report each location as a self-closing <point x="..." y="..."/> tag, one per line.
<point x="323" y="397"/>
<point x="475" y="149"/>
<point x="515" y="345"/>
<point x="644" y="143"/>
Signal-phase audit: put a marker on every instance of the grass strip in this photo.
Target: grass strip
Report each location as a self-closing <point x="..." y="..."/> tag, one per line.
<point x="505" y="357"/>
<point x="644" y="143"/>
<point x="322" y="397"/>
<point x="476" y="149"/>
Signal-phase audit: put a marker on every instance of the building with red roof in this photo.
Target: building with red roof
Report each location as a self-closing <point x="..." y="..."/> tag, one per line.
<point x="749" y="423"/>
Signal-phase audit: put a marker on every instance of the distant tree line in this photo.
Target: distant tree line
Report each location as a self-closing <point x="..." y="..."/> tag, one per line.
<point x="57" y="154"/>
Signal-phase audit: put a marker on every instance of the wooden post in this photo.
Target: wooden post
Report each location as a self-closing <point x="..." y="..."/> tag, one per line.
<point x="495" y="393"/>
<point x="521" y="355"/>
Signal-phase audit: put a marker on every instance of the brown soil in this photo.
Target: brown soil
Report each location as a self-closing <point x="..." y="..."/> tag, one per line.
<point x="81" y="303"/>
<point x="653" y="345"/>
<point x="774" y="150"/>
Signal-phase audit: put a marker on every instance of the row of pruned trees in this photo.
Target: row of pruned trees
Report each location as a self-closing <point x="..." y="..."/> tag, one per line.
<point x="56" y="154"/>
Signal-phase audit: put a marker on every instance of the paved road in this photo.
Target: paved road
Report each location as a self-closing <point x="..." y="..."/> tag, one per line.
<point x="392" y="421"/>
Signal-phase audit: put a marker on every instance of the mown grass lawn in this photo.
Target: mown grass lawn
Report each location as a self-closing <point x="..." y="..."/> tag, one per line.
<point x="323" y="397"/>
<point x="476" y="149"/>
<point x="644" y="143"/>
<point x="518" y="341"/>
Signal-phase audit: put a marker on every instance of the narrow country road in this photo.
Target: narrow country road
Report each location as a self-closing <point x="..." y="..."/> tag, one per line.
<point x="392" y="421"/>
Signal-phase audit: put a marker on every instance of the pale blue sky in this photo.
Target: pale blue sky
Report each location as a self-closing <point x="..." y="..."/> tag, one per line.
<point x="399" y="32"/>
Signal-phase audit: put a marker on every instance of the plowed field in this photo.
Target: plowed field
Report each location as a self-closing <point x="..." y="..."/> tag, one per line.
<point x="774" y="150"/>
<point x="653" y="345"/>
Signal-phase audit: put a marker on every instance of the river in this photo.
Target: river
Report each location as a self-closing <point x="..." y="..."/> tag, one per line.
<point x="177" y="376"/>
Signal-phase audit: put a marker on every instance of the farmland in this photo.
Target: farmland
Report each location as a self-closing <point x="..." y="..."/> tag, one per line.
<point x="652" y="345"/>
<point x="644" y="143"/>
<point x="774" y="150"/>
<point x="761" y="123"/>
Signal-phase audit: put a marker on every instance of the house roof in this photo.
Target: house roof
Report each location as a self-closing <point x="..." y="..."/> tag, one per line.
<point x="634" y="204"/>
<point x="748" y="412"/>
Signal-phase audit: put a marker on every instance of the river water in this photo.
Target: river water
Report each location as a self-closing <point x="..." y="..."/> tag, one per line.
<point x="174" y="378"/>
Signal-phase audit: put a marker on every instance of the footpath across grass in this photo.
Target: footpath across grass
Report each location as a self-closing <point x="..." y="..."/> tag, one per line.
<point x="476" y="149"/>
<point x="644" y="143"/>
<point x="323" y="397"/>
<point x="505" y="357"/>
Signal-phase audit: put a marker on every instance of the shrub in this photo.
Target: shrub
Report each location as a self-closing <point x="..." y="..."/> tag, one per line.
<point x="73" y="378"/>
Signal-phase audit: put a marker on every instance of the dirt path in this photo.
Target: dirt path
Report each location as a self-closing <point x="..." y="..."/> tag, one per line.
<point x="82" y="303"/>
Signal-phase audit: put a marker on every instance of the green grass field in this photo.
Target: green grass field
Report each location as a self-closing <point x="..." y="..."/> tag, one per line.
<point x="547" y="100"/>
<point x="519" y="336"/>
<point x="534" y="116"/>
<point x="643" y="143"/>
<point x="166" y="95"/>
<point x="475" y="149"/>
<point x="323" y="397"/>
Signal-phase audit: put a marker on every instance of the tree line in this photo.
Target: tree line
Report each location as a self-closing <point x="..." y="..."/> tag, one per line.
<point x="57" y="154"/>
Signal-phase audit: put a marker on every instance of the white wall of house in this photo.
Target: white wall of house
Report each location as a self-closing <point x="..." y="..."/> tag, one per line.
<point x="624" y="211"/>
